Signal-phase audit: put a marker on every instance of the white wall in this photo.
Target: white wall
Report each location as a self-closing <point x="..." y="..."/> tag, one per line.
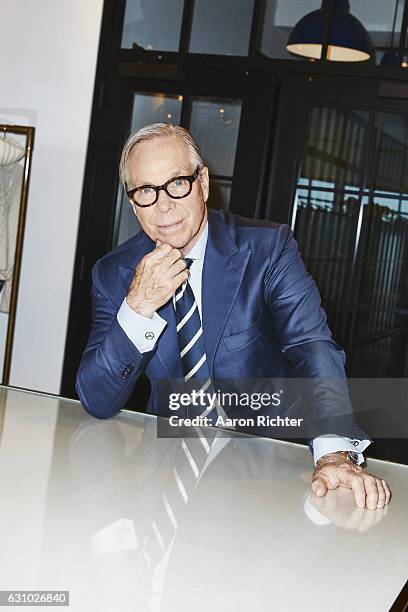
<point x="47" y="70"/>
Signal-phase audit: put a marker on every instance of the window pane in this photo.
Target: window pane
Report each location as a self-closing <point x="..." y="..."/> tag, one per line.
<point x="128" y="225"/>
<point x="153" y="24"/>
<point x="334" y="150"/>
<point x="389" y="165"/>
<point x="353" y="232"/>
<point x="155" y="108"/>
<point x="377" y="17"/>
<point x="221" y="27"/>
<point x="147" y="108"/>
<point x="380" y="331"/>
<point x="404" y="211"/>
<point x="214" y="124"/>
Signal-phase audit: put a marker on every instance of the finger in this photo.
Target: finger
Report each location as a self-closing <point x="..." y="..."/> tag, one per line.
<point x="381" y="494"/>
<point x="319" y="487"/>
<point x="180" y="278"/>
<point x="162" y="256"/>
<point x="383" y="511"/>
<point x="162" y="250"/>
<point x="387" y="491"/>
<point x="165" y="255"/>
<point x="352" y="520"/>
<point x="368" y="520"/>
<point x="178" y="266"/>
<point x="380" y="513"/>
<point x="174" y="256"/>
<point x="155" y="257"/>
<point x="357" y="486"/>
<point x="370" y="485"/>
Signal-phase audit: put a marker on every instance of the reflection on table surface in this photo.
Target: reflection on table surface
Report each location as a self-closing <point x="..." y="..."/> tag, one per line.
<point x="127" y="521"/>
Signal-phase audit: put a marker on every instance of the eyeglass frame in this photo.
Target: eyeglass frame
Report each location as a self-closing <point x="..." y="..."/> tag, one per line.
<point x="191" y="178"/>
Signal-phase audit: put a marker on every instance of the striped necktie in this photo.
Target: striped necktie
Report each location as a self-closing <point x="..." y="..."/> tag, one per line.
<point x="170" y="510"/>
<point x="194" y="452"/>
<point x="191" y="340"/>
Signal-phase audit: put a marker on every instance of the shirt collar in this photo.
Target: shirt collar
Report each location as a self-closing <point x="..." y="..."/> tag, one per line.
<point x="198" y="250"/>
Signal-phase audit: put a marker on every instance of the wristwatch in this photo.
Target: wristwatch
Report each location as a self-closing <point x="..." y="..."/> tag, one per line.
<point x="349" y="455"/>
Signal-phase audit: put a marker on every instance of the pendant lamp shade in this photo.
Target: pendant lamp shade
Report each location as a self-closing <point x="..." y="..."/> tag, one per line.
<point x="349" y="41"/>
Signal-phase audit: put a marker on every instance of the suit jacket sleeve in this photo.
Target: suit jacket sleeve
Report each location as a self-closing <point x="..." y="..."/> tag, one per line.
<point x="300" y="324"/>
<point x="111" y="363"/>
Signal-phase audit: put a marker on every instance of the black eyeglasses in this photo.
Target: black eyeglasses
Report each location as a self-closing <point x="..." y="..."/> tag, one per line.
<point x="177" y="187"/>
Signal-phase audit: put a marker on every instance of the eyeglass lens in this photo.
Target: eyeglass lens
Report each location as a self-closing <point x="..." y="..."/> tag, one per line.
<point x="177" y="189"/>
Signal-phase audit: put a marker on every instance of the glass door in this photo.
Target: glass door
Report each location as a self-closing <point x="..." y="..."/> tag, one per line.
<point x="350" y="217"/>
<point x="344" y="149"/>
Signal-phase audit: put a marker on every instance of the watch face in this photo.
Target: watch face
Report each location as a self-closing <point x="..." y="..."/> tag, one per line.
<point x="353" y="457"/>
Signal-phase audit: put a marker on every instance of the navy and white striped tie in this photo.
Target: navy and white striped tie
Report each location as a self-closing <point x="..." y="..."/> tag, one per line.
<point x="190" y="338"/>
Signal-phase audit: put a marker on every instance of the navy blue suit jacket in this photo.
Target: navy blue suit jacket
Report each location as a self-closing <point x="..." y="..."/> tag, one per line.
<point x="261" y="313"/>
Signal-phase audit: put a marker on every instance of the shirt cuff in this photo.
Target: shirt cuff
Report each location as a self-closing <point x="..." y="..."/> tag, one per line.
<point x="330" y="443"/>
<point x="140" y="330"/>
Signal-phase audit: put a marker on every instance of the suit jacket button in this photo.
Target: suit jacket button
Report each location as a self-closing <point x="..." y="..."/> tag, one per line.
<point x="125" y="373"/>
<point x="127" y="370"/>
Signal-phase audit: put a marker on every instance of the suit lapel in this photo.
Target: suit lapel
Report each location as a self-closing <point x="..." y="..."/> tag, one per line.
<point x="223" y="271"/>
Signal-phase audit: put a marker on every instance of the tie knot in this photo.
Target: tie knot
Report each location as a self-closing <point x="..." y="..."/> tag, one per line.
<point x="188" y="261"/>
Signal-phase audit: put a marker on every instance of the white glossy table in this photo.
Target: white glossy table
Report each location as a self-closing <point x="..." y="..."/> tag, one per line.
<point x="82" y="510"/>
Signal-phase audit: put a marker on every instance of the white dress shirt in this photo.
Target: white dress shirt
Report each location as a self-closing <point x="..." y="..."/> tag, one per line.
<point x="144" y="333"/>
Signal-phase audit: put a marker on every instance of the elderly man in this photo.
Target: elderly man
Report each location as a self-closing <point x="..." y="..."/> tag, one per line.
<point x="206" y="294"/>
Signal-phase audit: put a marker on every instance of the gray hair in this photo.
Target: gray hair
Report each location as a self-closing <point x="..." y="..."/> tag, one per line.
<point x="158" y="130"/>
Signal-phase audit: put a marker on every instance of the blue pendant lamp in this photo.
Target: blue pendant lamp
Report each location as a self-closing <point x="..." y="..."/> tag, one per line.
<point x="349" y="41"/>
